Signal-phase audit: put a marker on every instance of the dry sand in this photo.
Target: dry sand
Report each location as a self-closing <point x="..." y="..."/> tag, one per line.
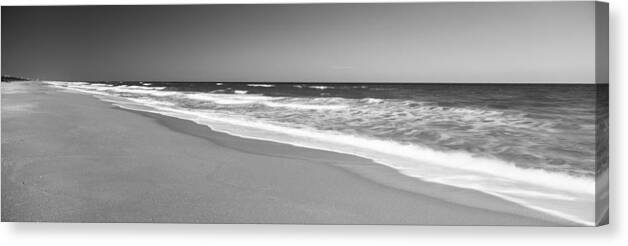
<point x="72" y="158"/>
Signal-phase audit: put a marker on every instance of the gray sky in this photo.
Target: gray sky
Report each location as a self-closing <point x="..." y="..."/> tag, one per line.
<point x="416" y="42"/>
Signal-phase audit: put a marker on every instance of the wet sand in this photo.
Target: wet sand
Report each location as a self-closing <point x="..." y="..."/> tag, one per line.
<point x="71" y="158"/>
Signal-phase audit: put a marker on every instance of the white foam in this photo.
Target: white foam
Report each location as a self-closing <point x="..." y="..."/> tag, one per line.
<point x="319" y="87"/>
<point x="373" y="100"/>
<point x="228" y="98"/>
<point x="276" y="102"/>
<point x="534" y="188"/>
<point x="151" y="102"/>
<point x="143" y="91"/>
<point x="305" y="106"/>
<point x="260" y="85"/>
<point x="146" y="87"/>
<point x="419" y="156"/>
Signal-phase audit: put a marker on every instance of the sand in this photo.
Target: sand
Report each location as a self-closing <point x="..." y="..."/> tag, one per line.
<point x="68" y="157"/>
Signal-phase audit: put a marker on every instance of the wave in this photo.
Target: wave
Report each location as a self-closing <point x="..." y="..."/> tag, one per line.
<point x="140" y="87"/>
<point x="535" y="188"/>
<point x="144" y="91"/>
<point x="373" y="100"/>
<point x="133" y="89"/>
<point x="319" y="87"/>
<point x="240" y="97"/>
<point x="260" y="85"/>
<point x="276" y="102"/>
<point x="228" y="98"/>
<point x="97" y="84"/>
<point x="305" y="106"/>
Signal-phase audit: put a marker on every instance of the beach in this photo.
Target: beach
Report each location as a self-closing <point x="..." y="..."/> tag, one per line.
<point x="68" y="157"/>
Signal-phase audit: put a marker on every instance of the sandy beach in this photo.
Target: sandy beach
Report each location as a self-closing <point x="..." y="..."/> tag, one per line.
<point x="68" y="157"/>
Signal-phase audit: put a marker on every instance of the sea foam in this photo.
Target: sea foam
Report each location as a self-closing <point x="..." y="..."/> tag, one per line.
<point x="261" y="85"/>
<point x="533" y="188"/>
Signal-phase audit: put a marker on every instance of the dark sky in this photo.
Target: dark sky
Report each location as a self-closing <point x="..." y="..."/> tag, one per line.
<point x="424" y="42"/>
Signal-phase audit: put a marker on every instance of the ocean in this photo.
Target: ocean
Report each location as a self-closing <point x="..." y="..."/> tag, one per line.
<point x="531" y="144"/>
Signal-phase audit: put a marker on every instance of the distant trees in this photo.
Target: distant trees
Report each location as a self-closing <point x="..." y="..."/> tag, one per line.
<point x="9" y="78"/>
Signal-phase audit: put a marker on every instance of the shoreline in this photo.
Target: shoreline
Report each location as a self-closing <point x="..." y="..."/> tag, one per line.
<point x="413" y="199"/>
<point x="364" y="168"/>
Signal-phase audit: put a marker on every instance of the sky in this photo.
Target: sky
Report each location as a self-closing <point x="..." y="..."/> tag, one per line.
<point x="401" y="42"/>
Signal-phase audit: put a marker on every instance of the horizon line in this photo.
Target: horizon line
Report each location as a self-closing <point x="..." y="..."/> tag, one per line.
<point x="326" y="82"/>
